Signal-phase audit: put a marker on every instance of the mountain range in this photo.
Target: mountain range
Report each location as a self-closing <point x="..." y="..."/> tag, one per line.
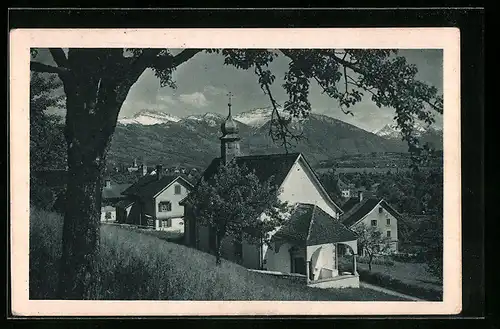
<point x="156" y="137"/>
<point x="426" y="134"/>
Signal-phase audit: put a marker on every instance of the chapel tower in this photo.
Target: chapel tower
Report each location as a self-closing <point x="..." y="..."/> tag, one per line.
<point x="230" y="139"/>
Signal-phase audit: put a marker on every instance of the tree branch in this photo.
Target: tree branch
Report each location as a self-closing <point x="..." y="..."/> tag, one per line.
<point x="184" y="56"/>
<point x="39" y="67"/>
<point x="59" y="57"/>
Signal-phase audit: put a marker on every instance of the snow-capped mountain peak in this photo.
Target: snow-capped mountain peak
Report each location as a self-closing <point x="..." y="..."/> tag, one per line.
<point x="255" y="118"/>
<point x="212" y="119"/>
<point x="149" y="117"/>
<point x="393" y="131"/>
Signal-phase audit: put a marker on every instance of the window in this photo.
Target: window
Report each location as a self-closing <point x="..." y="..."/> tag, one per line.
<point x="108" y="215"/>
<point x="374" y="222"/>
<point x="177" y="189"/>
<point x="164" y="206"/>
<point x="388" y="234"/>
<point x="167" y="223"/>
<point x="380" y="210"/>
<point x="388" y="221"/>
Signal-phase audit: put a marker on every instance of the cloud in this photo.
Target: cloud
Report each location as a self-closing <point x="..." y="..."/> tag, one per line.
<point x="214" y="91"/>
<point x="166" y="99"/>
<point x="196" y="99"/>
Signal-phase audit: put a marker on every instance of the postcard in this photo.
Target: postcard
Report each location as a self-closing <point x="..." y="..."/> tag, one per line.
<point x="197" y="172"/>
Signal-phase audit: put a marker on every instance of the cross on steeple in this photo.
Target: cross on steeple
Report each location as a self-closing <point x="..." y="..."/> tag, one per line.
<point x="229" y="104"/>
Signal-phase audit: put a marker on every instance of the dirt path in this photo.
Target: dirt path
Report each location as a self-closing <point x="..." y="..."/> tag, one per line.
<point x="389" y="292"/>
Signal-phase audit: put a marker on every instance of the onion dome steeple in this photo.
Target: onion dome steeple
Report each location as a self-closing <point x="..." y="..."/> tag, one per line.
<point x="229" y="126"/>
<point x="230" y="140"/>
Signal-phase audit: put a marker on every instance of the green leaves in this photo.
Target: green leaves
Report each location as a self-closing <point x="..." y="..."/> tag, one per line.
<point x="233" y="200"/>
<point x="47" y="144"/>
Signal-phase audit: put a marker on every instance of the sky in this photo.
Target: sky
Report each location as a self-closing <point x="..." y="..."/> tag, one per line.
<point x="204" y="82"/>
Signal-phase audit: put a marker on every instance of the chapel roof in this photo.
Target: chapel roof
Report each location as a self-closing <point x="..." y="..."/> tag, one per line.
<point x="313" y="225"/>
<point x="264" y="166"/>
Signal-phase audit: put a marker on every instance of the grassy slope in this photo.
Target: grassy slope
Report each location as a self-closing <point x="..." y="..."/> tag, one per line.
<point x="409" y="273"/>
<point x="135" y="266"/>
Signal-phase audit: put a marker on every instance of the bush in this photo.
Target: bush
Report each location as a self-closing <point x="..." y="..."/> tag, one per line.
<point x="408" y="257"/>
<point x="345" y="264"/>
<point x="377" y="260"/>
<point x="389" y="282"/>
<point x="41" y="196"/>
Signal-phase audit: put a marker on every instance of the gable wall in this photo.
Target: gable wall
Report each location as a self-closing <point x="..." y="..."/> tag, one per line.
<point x="382" y="223"/>
<point x="169" y="195"/>
<point x="299" y="186"/>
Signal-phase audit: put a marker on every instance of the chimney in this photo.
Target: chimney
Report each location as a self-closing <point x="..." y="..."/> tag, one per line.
<point x="159" y="170"/>
<point x="360" y="196"/>
<point x="144" y="170"/>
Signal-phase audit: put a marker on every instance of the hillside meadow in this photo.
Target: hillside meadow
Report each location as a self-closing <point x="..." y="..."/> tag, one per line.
<point x="137" y="266"/>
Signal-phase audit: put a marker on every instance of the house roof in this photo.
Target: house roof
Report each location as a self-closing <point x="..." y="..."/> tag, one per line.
<point x="149" y="186"/>
<point x="124" y="203"/>
<point x="361" y="209"/>
<point x="114" y="191"/>
<point x="313" y="225"/>
<point x="349" y="204"/>
<point x="265" y="166"/>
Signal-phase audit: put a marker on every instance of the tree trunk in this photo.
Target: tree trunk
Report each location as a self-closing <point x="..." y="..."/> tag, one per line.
<point x="93" y="105"/>
<point x="80" y="243"/>
<point x="370" y="259"/>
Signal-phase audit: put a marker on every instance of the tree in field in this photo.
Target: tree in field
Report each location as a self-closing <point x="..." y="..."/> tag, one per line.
<point x="371" y="241"/>
<point x="231" y="203"/>
<point x="97" y="81"/>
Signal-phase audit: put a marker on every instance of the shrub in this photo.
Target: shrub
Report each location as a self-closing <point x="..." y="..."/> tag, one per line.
<point x="345" y="264"/>
<point x="408" y="257"/>
<point x="377" y="260"/>
<point x="41" y="196"/>
<point x="389" y="282"/>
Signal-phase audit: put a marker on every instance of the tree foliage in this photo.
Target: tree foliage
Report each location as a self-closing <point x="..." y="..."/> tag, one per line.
<point x="371" y="241"/>
<point x="429" y="237"/>
<point x="47" y="147"/>
<point x="232" y="202"/>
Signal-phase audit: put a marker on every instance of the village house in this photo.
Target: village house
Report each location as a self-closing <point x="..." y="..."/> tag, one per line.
<point x="306" y="246"/>
<point x="375" y="212"/>
<point x="111" y="194"/>
<point x="153" y="201"/>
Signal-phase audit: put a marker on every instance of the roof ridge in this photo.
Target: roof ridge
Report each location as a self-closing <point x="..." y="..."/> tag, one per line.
<point x="273" y="155"/>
